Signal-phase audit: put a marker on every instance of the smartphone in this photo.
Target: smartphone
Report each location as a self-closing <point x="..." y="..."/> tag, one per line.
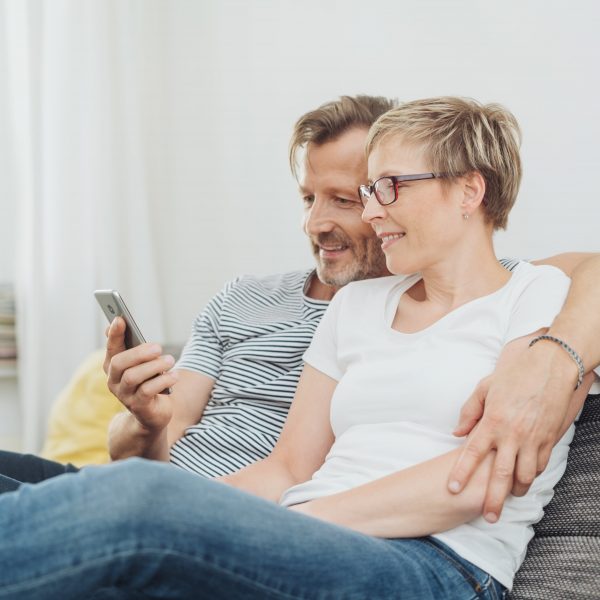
<point x="113" y="305"/>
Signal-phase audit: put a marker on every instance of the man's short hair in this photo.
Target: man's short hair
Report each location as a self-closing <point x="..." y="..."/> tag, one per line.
<point x="461" y="135"/>
<point x="332" y="119"/>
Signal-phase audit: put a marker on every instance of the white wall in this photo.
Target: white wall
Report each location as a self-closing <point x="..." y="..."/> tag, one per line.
<point x="230" y="77"/>
<point x="9" y="408"/>
<point x="241" y="72"/>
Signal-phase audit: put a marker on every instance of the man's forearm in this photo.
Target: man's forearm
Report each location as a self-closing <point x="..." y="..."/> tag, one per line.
<point x="578" y="323"/>
<point x="127" y="438"/>
<point x="410" y="503"/>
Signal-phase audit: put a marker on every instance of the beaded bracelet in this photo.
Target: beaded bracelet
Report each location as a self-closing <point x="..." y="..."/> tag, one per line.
<point x="568" y="348"/>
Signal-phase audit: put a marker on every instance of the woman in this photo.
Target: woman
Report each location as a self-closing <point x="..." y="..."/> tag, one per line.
<point x="368" y="445"/>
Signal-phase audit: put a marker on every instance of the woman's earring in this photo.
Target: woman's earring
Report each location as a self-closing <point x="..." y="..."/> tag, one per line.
<point x="466" y="216"/>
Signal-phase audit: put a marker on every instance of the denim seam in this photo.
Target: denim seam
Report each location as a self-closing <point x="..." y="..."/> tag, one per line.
<point x="31" y="585"/>
<point x="469" y="577"/>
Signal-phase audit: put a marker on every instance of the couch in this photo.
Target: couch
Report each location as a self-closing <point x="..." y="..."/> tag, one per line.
<point x="563" y="559"/>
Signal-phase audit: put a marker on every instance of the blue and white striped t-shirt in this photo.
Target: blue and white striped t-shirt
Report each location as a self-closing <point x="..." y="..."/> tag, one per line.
<point x="250" y="339"/>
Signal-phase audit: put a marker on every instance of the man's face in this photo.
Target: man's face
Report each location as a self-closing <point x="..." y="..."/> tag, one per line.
<point x="345" y="248"/>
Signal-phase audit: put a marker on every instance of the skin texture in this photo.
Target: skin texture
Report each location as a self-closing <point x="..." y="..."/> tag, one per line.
<point x="343" y="246"/>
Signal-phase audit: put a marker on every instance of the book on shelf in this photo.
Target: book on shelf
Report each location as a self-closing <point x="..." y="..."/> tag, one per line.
<point x="8" y="339"/>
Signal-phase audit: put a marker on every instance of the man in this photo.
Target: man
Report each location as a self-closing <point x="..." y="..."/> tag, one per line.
<point x="238" y="373"/>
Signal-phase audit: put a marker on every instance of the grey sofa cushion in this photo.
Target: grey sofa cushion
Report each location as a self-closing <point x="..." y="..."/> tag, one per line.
<point x="563" y="559"/>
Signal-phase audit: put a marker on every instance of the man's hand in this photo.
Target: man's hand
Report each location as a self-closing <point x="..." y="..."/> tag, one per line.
<point x="521" y="411"/>
<point x="137" y="376"/>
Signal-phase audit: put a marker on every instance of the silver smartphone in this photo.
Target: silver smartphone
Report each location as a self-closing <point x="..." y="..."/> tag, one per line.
<point x="113" y="305"/>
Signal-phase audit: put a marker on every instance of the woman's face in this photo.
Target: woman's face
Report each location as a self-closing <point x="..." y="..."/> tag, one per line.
<point x="425" y="223"/>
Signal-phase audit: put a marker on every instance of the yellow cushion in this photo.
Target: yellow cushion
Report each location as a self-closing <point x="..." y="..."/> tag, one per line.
<point x="78" y="425"/>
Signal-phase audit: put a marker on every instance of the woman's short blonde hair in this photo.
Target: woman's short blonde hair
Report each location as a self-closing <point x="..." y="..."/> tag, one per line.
<point x="461" y="135"/>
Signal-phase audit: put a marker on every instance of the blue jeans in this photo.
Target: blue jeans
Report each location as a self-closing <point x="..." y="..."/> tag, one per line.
<point x="138" y="529"/>
<point x="16" y="469"/>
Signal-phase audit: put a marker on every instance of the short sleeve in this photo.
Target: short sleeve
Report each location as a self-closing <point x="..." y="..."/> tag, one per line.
<point x="538" y="302"/>
<point x="509" y="263"/>
<point x="322" y="354"/>
<point x="203" y="351"/>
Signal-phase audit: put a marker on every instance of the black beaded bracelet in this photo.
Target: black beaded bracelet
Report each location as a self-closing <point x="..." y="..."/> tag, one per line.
<point x="568" y="348"/>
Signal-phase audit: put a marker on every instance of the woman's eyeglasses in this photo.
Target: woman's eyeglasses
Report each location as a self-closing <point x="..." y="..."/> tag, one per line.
<point x="386" y="188"/>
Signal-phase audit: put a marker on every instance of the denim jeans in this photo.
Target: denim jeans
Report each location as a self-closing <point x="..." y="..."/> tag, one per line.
<point x="139" y="529"/>
<point x="16" y="469"/>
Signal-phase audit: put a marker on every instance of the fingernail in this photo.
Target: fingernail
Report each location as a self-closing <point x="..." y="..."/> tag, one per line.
<point x="454" y="486"/>
<point x="491" y="517"/>
<point x="169" y="360"/>
<point x="155" y="349"/>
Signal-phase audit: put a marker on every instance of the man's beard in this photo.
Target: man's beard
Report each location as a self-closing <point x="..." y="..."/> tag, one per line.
<point x="367" y="261"/>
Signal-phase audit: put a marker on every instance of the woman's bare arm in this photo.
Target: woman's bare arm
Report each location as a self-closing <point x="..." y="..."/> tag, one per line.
<point x="304" y="442"/>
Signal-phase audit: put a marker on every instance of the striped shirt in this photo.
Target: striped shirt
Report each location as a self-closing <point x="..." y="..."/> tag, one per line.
<point x="250" y="339"/>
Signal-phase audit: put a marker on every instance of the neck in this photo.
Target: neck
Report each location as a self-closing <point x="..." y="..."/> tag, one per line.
<point x="462" y="276"/>
<point x="317" y="290"/>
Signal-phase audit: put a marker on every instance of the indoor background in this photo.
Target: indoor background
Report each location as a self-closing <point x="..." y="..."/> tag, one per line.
<point x="143" y="146"/>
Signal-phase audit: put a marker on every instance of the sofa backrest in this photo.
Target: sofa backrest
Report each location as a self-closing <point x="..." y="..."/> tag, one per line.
<point x="563" y="559"/>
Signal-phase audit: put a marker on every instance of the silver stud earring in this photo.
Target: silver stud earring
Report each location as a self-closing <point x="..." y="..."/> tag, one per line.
<point x="466" y="216"/>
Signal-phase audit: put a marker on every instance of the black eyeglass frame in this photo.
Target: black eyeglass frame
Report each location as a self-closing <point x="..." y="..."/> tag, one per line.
<point x="366" y="191"/>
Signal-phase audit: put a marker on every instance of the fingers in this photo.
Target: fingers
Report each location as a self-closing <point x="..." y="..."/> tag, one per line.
<point x="474" y="451"/>
<point x="526" y="470"/>
<point x="130" y="369"/>
<point x="501" y="482"/>
<point x="544" y="456"/>
<point x="137" y="377"/>
<point x="472" y="410"/>
<point x="141" y="403"/>
<point x="147" y="405"/>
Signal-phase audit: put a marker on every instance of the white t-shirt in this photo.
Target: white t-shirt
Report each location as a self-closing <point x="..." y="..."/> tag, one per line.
<point x="399" y="395"/>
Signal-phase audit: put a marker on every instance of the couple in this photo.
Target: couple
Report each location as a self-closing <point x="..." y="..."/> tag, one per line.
<point x="368" y="445"/>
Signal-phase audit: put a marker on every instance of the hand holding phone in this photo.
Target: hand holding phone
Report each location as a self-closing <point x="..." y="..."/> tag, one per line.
<point x="113" y="305"/>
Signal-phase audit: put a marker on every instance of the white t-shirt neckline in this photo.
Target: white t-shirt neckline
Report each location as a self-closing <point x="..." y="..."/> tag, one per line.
<point x="396" y="293"/>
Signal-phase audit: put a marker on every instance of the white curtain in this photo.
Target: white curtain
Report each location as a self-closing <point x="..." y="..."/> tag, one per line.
<point x="79" y="84"/>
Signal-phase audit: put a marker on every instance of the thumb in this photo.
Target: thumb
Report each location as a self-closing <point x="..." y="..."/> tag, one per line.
<point x="472" y="410"/>
<point x="115" y="342"/>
